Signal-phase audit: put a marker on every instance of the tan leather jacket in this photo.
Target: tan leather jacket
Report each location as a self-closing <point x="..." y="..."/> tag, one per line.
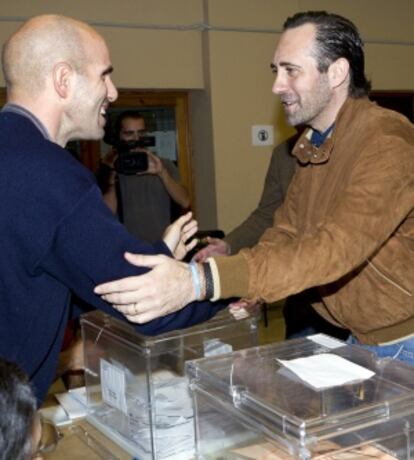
<point x="346" y="226"/>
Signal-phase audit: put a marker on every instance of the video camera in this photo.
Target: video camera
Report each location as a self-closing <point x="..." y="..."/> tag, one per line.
<point x="130" y="163"/>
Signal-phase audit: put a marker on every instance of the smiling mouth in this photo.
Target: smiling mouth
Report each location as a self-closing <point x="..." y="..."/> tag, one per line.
<point x="287" y="105"/>
<point x="103" y="115"/>
<point x="104" y="108"/>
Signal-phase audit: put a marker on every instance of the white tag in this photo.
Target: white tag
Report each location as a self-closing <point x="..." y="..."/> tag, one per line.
<point x="113" y="386"/>
<point x="326" y="341"/>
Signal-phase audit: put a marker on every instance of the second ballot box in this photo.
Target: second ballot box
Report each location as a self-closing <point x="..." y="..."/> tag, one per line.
<point x="310" y="398"/>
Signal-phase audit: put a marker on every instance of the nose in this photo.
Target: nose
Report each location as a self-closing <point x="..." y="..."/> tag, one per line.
<point x="112" y="92"/>
<point x="279" y="85"/>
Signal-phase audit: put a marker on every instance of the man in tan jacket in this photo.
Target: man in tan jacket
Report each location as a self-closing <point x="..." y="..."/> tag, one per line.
<point x="347" y="224"/>
<point x="299" y="317"/>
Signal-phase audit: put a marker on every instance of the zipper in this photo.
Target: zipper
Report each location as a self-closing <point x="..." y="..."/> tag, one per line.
<point x="309" y="210"/>
<point x="385" y="277"/>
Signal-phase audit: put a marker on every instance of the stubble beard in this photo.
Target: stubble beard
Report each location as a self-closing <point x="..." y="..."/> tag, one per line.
<point x="312" y="105"/>
<point x="86" y="112"/>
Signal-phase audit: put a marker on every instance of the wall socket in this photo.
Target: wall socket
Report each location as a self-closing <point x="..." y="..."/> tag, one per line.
<point x="262" y="135"/>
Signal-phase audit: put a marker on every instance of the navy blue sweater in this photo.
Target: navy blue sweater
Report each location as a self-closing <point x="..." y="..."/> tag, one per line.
<point x="57" y="237"/>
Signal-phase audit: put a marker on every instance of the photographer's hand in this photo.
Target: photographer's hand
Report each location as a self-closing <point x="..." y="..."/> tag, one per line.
<point x="176" y="191"/>
<point x="155" y="165"/>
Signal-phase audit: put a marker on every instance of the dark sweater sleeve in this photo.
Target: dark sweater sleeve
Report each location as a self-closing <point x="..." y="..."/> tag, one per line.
<point x="278" y="177"/>
<point x="87" y="249"/>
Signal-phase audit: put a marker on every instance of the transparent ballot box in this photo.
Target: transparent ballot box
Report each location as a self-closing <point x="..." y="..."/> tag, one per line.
<point x="314" y="397"/>
<point x="136" y="386"/>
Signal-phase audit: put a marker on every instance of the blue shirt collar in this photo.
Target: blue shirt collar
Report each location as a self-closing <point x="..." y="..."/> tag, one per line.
<point x="317" y="138"/>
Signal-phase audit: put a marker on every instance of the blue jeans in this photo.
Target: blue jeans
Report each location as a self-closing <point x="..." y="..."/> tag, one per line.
<point x="403" y="351"/>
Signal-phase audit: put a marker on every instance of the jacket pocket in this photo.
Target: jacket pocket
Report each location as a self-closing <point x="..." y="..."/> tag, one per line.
<point x="371" y="299"/>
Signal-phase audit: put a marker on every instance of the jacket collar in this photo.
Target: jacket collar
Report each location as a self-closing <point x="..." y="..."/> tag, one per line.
<point x="306" y="152"/>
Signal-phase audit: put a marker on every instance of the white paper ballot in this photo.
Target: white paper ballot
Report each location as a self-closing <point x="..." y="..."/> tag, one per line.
<point x="72" y="406"/>
<point x="326" y="370"/>
<point x="326" y="341"/>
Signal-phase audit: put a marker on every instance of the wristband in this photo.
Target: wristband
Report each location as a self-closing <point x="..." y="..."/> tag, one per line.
<point x="209" y="280"/>
<point x="196" y="279"/>
<point x="216" y="279"/>
<point x="202" y="277"/>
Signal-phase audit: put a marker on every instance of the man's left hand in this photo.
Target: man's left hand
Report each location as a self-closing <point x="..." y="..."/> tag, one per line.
<point x="178" y="233"/>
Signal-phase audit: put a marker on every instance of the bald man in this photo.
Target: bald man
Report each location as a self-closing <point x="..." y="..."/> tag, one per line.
<point x="58" y="236"/>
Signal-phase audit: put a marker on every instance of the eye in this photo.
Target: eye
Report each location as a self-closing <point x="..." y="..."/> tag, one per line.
<point x="291" y="71"/>
<point x="273" y="68"/>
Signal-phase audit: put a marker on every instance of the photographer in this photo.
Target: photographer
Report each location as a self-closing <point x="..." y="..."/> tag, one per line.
<point x="136" y="184"/>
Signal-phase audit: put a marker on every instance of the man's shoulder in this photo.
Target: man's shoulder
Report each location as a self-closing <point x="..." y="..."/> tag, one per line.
<point x="19" y="132"/>
<point x="15" y="127"/>
<point x="282" y="153"/>
<point x="364" y="123"/>
<point x="25" y="152"/>
<point x="366" y="113"/>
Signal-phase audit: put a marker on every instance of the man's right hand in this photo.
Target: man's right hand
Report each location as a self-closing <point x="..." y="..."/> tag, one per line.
<point x="216" y="247"/>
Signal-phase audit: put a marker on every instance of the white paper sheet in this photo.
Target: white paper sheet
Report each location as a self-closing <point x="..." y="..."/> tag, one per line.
<point x="72" y="406"/>
<point x="326" y="370"/>
<point x="326" y="341"/>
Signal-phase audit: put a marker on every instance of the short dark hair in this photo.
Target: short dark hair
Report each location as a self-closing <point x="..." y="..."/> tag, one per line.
<point x="18" y="409"/>
<point x="336" y="37"/>
<point x="123" y="116"/>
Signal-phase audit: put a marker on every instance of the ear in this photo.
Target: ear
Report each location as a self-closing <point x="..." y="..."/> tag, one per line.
<point x="338" y="72"/>
<point x="62" y="77"/>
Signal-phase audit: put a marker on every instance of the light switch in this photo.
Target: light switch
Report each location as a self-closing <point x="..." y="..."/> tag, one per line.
<point x="262" y="135"/>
